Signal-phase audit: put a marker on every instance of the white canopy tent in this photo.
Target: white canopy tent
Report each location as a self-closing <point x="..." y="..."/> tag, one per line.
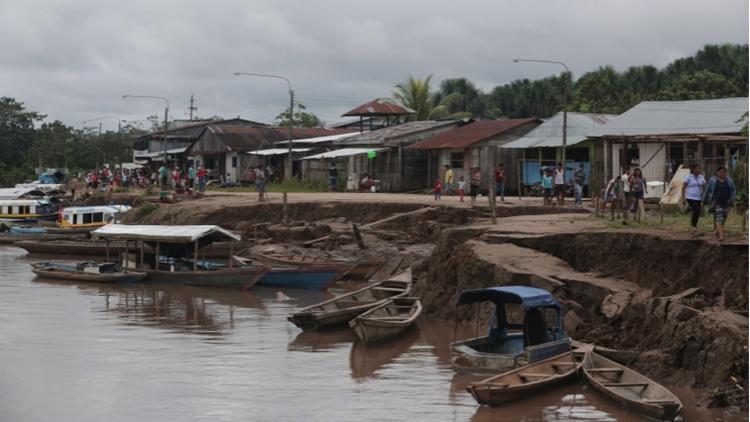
<point x="157" y="233"/>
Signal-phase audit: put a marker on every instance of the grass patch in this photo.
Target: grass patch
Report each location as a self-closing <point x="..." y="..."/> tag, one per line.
<point x="681" y="222"/>
<point x="143" y="211"/>
<point x="293" y="186"/>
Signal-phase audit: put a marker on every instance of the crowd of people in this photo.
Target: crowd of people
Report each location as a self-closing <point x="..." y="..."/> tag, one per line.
<point x="105" y="179"/>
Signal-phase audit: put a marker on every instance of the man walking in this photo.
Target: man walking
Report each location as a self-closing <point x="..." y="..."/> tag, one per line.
<point x="333" y="176"/>
<point x="500" y="182"/>
<point x="560" y="184"/>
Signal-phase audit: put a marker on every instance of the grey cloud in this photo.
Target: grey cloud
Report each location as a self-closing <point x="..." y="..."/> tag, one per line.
<point x="73" y="60"/>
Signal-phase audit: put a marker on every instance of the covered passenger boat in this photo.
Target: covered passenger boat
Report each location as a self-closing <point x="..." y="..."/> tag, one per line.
<point x="89" y="218"/>
<point x="26" y="210"/>
<point x="176" y="257"/>
<point x="526" y="327"/>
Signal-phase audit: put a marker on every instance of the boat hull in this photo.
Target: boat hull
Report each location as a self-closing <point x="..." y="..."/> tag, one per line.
<point x="468" y="359"/>
<point x="304" y="278"/>
<point x="503" y="388"/>
<point x="348" y="306"/>
<point x="666" y="406"/>
<point x="371" y="328"/>
<point x="82" y="248"/>
<point x="235" y="278"/>
<point x="129" y="277"/>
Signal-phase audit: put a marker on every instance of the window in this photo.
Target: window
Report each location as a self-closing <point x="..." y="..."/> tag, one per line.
<point x="234" y="162"/>
<point x="514" y="313"/>
<point x="86" y="218"/>
<point x="630" y="157"/>
<point x="98" y="217"/>
<point x="457" y="160"/>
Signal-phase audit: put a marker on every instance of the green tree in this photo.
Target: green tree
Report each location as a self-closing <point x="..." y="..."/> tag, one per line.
<point x="301" y="118"/>
<point x="458" y="97"/>
<point x="16" y="137"/>
<point x="416" y="94"/>
<point x="700" y="85"/>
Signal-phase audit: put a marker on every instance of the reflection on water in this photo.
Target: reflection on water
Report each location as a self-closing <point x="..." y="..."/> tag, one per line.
<point x="152" y="352"/>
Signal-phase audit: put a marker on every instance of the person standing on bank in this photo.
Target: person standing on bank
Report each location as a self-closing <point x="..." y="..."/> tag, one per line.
<point x="720" y="196"/>
<point x="638" y="188"/>
<point x="500" y="182"/>
<point x="448" y="179"/>
<point x="260" y="183"/>
<point x="560" y="183"/>
<point x="692" y="193"/>
<point x="191" y="177"/>
<point x="579" y="177"/>
<point x="333" y="177"/>
<point x="474" y="181"/>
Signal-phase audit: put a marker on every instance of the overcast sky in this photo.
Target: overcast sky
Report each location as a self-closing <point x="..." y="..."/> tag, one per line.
<point x="73" y="60"/>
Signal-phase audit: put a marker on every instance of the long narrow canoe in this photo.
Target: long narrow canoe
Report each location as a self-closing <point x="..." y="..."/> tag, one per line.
<point x="342" y="309"/>
<point x="69" y="272"/>
<point x="236" y="278"/>
<point x="314" y="277"/>
<point x="525" y="381"/>
<point x="70" y="247"/>
<point x="630" y="388"/>
<point x="387" y="320"/>
<point x="352" y="270"/>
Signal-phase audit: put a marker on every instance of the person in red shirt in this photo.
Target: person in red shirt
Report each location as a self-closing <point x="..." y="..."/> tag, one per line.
<point x="202" y="174"/>
<point x="438" y="189"/>
<point x="500" y="182"/>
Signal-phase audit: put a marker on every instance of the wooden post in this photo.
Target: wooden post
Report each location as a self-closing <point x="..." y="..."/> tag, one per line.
<point x="140" y="261"/>
<point x="400" y="168"/>
<point x="127" y="255"/>
<point x="520" y="184"/>
<point x="493" y="199"/>
<point x="284" y="212"/>
<point x="156" y="257"/>
<point x="195" y="255"/>
<point x="107" y="249"/>
<point x="231" y="253"/>
<point x="358" y="237"/>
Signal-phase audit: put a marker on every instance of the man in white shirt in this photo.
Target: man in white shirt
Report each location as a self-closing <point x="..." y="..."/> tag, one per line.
<point x="626" y="188"/>
<point x="560" y="183"/>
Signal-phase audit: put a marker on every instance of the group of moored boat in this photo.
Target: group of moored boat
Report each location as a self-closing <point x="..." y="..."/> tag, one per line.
<point x="380" y="311"/>
<point x="537" y="356"/>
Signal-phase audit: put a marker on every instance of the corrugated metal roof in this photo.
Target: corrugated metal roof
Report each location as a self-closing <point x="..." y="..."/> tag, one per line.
<point x="250" y="138"/>
<point x="549" y="133"/>
<point x="393" y="132"/>
<point x="380" y="107"/>
<point x="15" y="193"/>
<point x="320" y="139"/>
<point x="278" y="151"/>
<point x="718" y="116"/>
<point x="471" y="133"/>
<point x="343" y="152"/>
<point x="163" y="233"/>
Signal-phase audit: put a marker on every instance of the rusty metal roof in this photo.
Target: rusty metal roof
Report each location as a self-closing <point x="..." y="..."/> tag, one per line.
<point x="380" y="107"/>
<point x="237" y="138"/>
<point x="471" y="133"/>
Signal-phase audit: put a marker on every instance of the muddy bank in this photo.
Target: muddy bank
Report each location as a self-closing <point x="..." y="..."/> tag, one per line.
<point x="620" y="290"/>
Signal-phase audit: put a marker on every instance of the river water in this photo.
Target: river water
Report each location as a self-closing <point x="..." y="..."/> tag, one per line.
<point x="145" y="352"/>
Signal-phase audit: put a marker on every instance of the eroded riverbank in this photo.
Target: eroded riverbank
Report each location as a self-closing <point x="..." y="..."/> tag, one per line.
<point x="679" y="302"/>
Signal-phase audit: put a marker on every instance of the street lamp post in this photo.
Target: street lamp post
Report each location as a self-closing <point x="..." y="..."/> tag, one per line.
<point x="288" y="169"/>
<point x="565" y="103"/>
<point x="119" y="130"/>
<point x="166" y="114"/>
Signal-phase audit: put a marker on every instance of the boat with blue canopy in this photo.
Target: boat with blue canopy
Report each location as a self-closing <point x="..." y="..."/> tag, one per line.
<point x="525" y="327"/>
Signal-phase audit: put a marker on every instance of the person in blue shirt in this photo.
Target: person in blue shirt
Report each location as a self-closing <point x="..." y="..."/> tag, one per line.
<point x="692" y="192"/>
<point x="720" y="196"/>
<point x="547" y="186"/>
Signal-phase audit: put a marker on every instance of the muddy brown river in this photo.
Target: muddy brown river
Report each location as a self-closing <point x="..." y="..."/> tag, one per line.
<point x="146" y="352"/>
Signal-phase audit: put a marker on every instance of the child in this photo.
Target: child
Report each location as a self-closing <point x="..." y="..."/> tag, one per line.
<point x="438" y="189"/>
<point x="547" y="185"/>
<point x="461" y="188"/>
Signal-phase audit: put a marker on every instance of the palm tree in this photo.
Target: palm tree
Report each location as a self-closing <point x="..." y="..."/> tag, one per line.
<point x="415" y="94"/>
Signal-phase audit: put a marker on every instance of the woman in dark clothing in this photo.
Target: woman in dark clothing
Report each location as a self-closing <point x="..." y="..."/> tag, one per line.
<point x="720" y="197"/>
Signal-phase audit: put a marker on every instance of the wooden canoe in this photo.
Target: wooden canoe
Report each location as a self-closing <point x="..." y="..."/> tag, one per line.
<point x="226" y="277"/>
<point x="631" y="389"/>
<point x="387" y="320"/>
<point x="342" y="309"/>
<point x="351" y="270"/>
<point x="526" y="380"/>
<point x="69" y="273"/>
<point x="71" y="247"/>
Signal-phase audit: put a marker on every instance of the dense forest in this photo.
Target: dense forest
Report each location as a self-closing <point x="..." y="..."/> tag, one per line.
<point x="715" y="71"/>
<point x="27" y="142"/>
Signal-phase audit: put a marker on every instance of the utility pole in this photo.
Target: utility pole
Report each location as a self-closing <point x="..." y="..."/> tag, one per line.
<point x="192" y="107"/>
<point x="288" y="167"/>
